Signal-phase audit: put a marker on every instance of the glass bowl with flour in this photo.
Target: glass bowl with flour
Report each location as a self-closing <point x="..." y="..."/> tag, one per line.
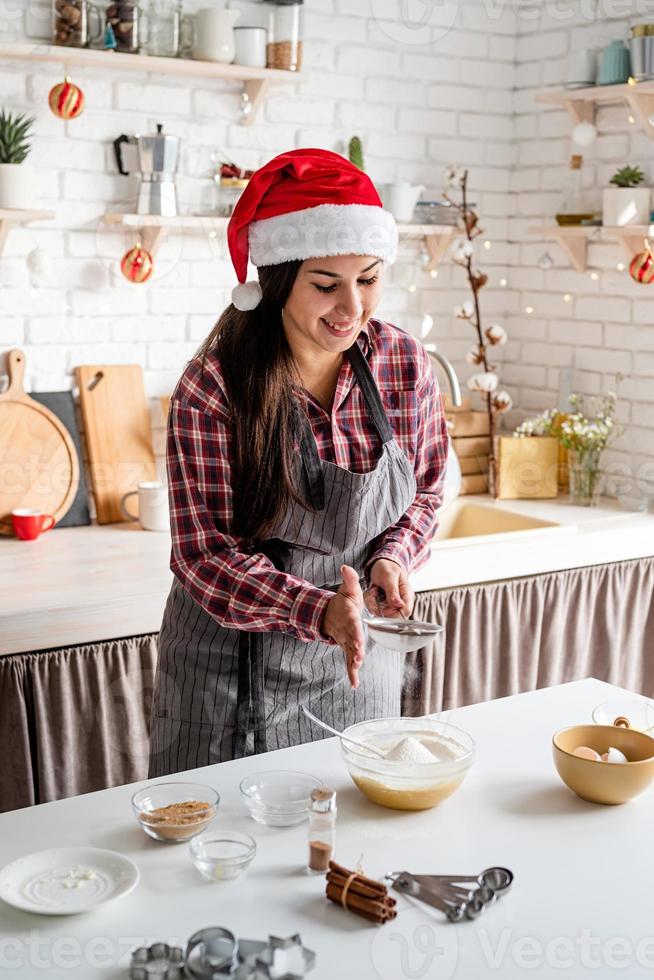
<point x="426" y="760"/>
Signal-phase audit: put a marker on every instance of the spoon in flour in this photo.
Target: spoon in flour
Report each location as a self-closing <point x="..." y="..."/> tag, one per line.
<point x="346" y="738"/>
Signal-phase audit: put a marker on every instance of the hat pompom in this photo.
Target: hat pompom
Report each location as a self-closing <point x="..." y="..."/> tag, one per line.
<point x="247" y="295"/>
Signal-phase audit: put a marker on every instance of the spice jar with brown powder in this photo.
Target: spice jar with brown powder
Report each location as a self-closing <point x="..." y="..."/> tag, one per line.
<point x="322" y="830"/>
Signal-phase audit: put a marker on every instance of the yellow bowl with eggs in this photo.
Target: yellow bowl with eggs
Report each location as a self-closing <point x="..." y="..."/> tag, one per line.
<point x="604" y="782"/>
<point x="405" y="784"/>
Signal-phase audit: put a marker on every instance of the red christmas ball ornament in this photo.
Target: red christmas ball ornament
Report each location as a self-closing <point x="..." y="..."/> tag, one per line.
<point x="66" y="99"/>
<point x="641" y="268"/>
<point x="137" y="264"/>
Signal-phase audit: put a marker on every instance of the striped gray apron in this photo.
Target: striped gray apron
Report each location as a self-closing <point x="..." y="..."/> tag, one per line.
<point x="224" y="693"/>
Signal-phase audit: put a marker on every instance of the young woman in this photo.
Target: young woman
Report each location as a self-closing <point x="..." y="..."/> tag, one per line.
<point x="306" y="455"/>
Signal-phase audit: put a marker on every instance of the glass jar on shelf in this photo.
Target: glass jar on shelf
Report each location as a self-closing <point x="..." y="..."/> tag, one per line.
<point x="72" y="23"/>
<point x="229" y="190"/>
<point x="284" y="49"/>
<point x="576" y="208"/>
<point x="124" y="18"/>
<point x="166" y="32"/>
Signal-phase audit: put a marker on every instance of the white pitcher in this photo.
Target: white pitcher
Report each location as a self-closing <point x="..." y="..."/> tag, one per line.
<point x="214" y="35"/>
<point x="400" y="199"/>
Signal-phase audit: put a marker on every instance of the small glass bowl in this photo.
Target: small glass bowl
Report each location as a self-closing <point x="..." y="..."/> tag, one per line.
<point x="638" y="711"/>
<point x="220" y="855"/>
<point x="403" y="785"/>
<point x="279" y="798"/>
<point x="152" y="807"/>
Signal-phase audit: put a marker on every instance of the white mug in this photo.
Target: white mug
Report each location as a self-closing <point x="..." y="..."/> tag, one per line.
<point x="153" y="506"/>
<point x="251" y="46"/>
<point x="582" y="68"/>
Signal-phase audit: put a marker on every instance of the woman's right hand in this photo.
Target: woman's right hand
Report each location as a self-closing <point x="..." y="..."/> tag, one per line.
<point x="342" y="622"/>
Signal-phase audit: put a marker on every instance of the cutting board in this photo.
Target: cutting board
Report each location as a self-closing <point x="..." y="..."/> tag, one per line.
<point x="62" y="405"/>
<point x="118" y="434"/>
<point x="39" y="465"/>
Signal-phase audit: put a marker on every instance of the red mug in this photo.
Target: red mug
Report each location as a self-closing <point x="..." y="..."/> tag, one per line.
<point x="28" y="524"/>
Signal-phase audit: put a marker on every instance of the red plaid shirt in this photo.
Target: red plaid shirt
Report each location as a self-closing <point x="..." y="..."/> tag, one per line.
<point x="245" y="591"/>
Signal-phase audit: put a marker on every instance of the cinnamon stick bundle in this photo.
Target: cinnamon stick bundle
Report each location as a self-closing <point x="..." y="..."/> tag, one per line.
<point x="364" y="896"/>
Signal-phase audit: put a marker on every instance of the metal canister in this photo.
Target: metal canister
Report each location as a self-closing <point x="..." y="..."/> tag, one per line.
<point x="642" y="52"/>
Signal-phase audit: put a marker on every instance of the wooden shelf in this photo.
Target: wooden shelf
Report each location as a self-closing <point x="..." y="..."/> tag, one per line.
<point x="436" y="239"/>
<point x="151" y="229"/>
<point x="582" y="103"/>
<point x="13" y="217"/>
<point x="255" y="81"/>
<point x="574" y="239"/>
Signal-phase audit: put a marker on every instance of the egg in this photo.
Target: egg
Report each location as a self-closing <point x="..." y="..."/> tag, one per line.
<point x="614" y="755"/>
<point x="583" y="752"/>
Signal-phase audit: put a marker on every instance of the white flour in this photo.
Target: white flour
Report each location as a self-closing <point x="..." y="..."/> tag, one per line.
<point x="410" y="750"/>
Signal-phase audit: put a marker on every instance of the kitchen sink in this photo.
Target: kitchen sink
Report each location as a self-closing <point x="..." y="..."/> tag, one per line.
<point x="465" y="519"/>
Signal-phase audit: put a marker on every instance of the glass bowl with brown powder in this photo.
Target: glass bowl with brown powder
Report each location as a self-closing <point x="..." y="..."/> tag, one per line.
<point x="175" y="811"/>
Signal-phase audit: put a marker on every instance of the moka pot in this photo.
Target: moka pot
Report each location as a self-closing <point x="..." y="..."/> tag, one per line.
<point x="158" y="154"/>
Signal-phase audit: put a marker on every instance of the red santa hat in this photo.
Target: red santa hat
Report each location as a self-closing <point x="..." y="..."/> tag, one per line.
<point x="306" y="204"/>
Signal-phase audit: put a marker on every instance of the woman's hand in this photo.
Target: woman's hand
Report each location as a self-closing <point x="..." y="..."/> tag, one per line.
<point x="342" y="622"/>
<point x="389" y="593"/>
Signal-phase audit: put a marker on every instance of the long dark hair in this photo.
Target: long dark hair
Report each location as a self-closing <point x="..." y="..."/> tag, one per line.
<point x="258" y="369"/>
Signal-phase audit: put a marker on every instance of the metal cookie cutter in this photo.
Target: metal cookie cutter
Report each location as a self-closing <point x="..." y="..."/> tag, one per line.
<point x="212" y="953"/>
<point x="157" y="962"/>
<point x="458" y="896"/>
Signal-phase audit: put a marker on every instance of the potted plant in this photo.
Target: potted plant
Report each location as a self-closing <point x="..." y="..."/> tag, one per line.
<point x="626" y="203"/>
<point x="17" y="179"/>
<point x="585" y="436"/>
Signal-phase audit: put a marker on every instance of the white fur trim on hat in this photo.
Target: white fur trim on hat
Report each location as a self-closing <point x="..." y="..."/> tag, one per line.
<point x="328" y="229"/>
<point x="247" y="295"/>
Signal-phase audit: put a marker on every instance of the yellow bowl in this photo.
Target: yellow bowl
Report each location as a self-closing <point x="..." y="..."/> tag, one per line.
<point x="604" y="782"/>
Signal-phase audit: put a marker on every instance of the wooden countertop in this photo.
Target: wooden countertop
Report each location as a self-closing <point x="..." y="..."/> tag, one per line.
<point x="86" y="584"/>
<point x="79" y="585"/>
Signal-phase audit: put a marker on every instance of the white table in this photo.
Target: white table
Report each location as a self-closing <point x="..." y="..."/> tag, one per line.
<point x="582" y="891"/>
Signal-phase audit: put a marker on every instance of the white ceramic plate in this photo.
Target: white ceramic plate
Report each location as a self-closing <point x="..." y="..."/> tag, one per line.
<point x="67" y="880"/>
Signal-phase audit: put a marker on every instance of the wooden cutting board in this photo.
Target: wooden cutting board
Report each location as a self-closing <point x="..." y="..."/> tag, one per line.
<point x="39" y="466"/>
<point x="118" y="434"/>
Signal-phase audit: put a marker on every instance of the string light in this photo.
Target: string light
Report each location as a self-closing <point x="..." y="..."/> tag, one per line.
<point x="433" y="273"/>
<point x="621" y="267"/>
<point x="529" y="309"/>
<point x="213" y="234"/>
<point x="487" y="245"/>
<point x="594" y="276"/>
<point x="412" y="287"/>
<point x="567" y="298"/>
<point x="503" y="282"/>
<point x="631" y="119"/>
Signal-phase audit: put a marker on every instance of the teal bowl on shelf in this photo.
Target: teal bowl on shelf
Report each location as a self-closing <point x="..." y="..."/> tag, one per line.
<point x="615" y="66"/>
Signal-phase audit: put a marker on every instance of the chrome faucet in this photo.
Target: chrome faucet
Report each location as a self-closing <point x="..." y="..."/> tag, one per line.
<point x="455" y="388"/>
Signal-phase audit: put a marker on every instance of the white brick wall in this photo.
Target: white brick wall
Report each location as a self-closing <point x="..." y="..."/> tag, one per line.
<point x="461" y="90"/>
<point x="609" y="324"/>
<point x="419" y="101"/>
